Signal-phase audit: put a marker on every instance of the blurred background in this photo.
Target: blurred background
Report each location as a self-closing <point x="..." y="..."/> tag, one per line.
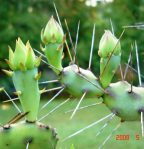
<point x="25" y="19"/>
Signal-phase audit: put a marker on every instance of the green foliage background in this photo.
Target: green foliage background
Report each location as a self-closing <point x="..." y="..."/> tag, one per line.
<point x="26" y="18"/>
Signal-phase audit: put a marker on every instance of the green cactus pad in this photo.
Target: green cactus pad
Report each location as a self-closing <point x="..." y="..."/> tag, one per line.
<point x="39" y="136"/>
<point x="77" y="85"/>
<point x="125" y="103"/>
<point x="29" y="94"/>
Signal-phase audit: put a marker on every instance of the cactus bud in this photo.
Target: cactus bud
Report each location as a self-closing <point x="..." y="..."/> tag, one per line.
<point x="52" y="33"/>
<point x="107" y="44"/>
<point x="53" y="38"/>
<point x="25" y="77"/>
<point x="23" y="58"/>
<point x="110" y="53"/>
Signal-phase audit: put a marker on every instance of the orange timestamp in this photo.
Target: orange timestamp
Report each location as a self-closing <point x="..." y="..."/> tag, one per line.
<point x="127" y="137"/>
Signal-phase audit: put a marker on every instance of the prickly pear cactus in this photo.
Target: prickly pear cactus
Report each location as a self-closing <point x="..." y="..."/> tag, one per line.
<point x="25" y="76"/>
<point x="121" y="98"/>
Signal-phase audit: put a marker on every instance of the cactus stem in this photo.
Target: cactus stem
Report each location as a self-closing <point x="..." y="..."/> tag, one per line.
<point x="50" y="65"/>
<point x="75" y="110"/>
<point x="54" y="109"/>
<point x="138" y="67"/>
<point x="8" y="72"/>
<point x="53" y="98"/>
<point x="67" y="47"/>
<point x="37" y="77"/>
<point x="106" y="124"/>
<point x="92" y="47"/>
<point x="12" y="101"/>
<point x="87" y="127"/>
<point x="110" y="135"/>
<point x="112" y="53"/>
<point x="51" y="81"/>
<point x="84" y="107"/>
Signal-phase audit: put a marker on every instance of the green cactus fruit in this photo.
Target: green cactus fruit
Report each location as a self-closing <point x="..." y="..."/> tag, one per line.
<point x="107" y="72"/>
<point x="37" y="135"/>
<point x="76" y="82"/>
<point x="126" y="103"/>
<point x="107" y="44"/>
<point x="53" y="37"/>
<point x="25" y="78"/>
<point x="110" y="53"/>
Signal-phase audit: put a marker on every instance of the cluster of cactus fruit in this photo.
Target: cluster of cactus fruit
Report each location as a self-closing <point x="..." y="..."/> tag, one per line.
<point x="123" y="99"/>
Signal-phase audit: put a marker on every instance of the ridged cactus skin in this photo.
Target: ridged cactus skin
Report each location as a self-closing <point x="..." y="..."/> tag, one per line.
<point x="28" y="91"/>
<point x="126" y="103"/>
<point x="53" y="38"/>
<point x="16" y="136"/>
<point x="77" y="85"/>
